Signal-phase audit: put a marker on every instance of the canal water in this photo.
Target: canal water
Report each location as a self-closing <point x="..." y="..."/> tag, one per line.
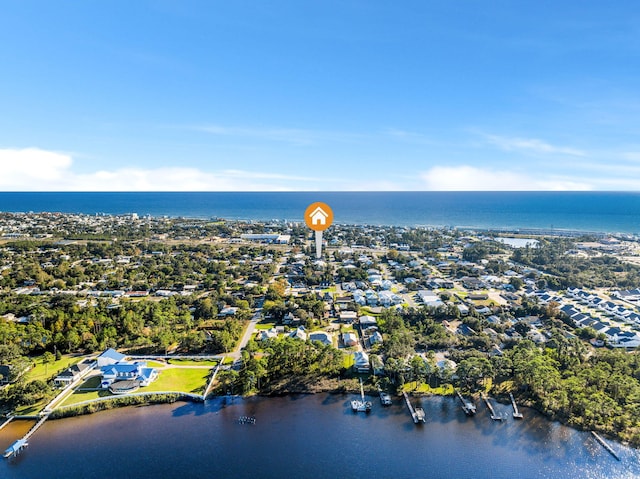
<point x="315" y="436"/>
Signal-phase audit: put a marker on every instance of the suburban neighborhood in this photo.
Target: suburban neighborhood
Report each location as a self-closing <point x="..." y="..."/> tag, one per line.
<point x="99" y="307"/>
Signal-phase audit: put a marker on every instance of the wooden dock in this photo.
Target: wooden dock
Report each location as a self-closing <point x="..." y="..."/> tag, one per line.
<point x="20" y="444"/>
<point x="467" y="406"/>
<point x="605" y="444"/>
<point x="516" y="414"/>
<point x="417" y="414"/>
<point x="494" y="416"/>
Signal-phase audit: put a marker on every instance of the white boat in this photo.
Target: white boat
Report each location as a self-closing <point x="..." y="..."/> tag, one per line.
<point x="360" y="406"/>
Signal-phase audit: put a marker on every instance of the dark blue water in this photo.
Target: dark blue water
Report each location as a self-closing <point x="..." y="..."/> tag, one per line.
<point x="313" y="437"/>
<point x="584" y="211"/>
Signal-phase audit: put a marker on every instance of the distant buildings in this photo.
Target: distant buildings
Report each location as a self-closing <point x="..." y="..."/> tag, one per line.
<point x="267" y="238"/>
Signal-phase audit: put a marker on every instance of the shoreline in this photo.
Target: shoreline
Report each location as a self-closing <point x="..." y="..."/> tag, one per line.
<point x="152" y="399"/>
<point x="459" y="204"/>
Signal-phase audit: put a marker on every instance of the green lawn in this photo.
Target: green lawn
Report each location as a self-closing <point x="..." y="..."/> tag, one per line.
<point x="446" y="390"/>
<point x="265" y="325"/>
<point x="184" y="380"/>
<point x="33" y="409"/>
<point x="347" y="360"/>
<point x="80" y="396"/>
<point x="156" y="364"/>
<point x="190" y="362"/>
<point x="46" y="371"/>
<point x="92" y="382"/>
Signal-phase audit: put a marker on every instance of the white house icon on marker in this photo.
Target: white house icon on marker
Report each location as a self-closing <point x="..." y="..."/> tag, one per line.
<point x="319" y="216"/>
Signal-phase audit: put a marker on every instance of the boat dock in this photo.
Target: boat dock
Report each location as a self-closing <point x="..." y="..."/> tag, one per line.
<point x="516" y="414"/>
<point x="361" y="405"/>
<point x="494" y="416"/>
<point x="467" y="406"/>
<point x="20" y="444"/>
<point x="605" y="445"/>
<point x="417" y="414"/>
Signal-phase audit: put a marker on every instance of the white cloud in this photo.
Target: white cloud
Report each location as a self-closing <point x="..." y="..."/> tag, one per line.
<point x="34" y="169"/>
<point x="20" y="167"/>
<point x="470" y="178"/>
<point x="531" y="145"/>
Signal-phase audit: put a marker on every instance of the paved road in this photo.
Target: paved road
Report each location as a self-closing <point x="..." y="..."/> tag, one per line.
<point x="248" y="333"/>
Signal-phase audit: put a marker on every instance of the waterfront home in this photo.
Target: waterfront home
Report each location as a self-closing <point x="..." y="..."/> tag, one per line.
<point x="127" y="371"/>
<point x="110" y="356"/>
<point x="71" y="374"/>
<point x="361" y="362"/>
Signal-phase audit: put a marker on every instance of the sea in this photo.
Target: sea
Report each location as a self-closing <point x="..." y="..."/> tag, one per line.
<point x="603" y="212"/>
<point x="313" y="436"/>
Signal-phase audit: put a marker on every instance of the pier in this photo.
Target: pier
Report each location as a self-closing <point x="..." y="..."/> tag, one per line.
<point x="20" y="444"/>
<point x="417" y="414"/>
<point x="361" y="405"/>
<point x="467" y="406"/>
<point x="516" y="414"/>
<point x="494" y="416"/>
<point x="605" y="445"/>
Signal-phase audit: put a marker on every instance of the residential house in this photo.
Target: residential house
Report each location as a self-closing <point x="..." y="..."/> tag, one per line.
<point x="108" y="357"/>
<point x="129" y="372"/>
<point x="367" y="321"/>
<point x="71" y="374"/>
<point x="361" y="362"/>
<point x="266" y="334"/>
<point x="349" y="339"/>
<point x="322" y="336"/>
<point x="299" y="333"/>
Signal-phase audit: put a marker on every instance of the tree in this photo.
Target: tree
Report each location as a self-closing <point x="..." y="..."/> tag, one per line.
<point x="47" y="358"/>
<point x="516" y="282"/>
<point x="473" y="370"/>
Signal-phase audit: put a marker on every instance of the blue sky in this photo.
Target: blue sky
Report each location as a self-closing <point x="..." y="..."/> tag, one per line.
<point x="319" y="95"/>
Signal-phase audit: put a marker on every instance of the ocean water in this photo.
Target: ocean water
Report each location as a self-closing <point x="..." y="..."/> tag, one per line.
<point x="315" y="436"/>
<point x="611" y="212"/>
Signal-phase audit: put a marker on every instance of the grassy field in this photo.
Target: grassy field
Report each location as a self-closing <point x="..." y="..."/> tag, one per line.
<point x="80" y="396"/>
<point x="184" y="380"/>
<point x="156" y="364"/>
<point x="46" y="371"/>
<point x="190" y="362"/>
<point x="446" y="390"/>
<point x="33" y="409"/>
<point x="265" y="325"/>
